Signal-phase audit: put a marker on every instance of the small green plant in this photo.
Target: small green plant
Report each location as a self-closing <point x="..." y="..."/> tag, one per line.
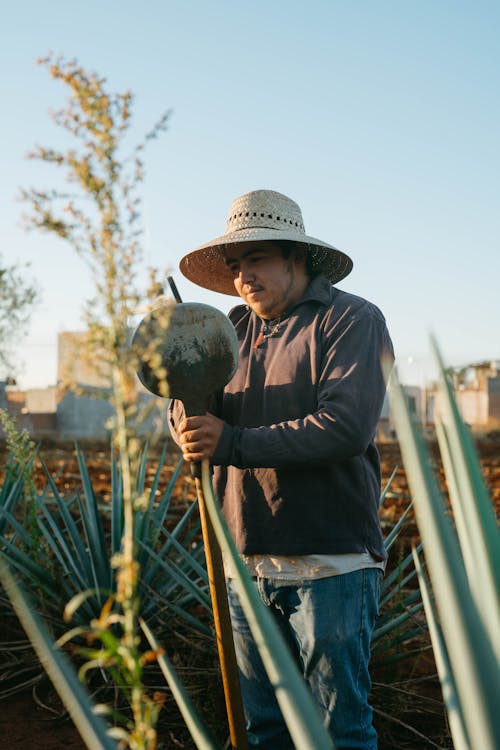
<point x="20" y="470"/>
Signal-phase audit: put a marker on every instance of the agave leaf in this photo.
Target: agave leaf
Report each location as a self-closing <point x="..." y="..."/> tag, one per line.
<point x="393" y="643"/>
<point x="396" y="573"/>
<point x="393" y="535"/>
<point x="404" y="599"/>
<point x="174" y="574"/>
<point x="140" y="492"/>
<point x="396" y="622"/>
<point x="397" y="589"/>
<point x="100" y="564"/>
<point x="387" y="487"/>
<point x="163" y="506"/>
<point x="478" y="509"/>
<point x="141" y="473"/>
<point x="10" y="495"/>
<point x="66" y="521"/>
<point x="152" y="570"/>
<point x="184" y="561"/>
<point x="94" y="531"/>
<point x="12" y="521"/>
<point x="48" y="591"/>
<point x="458" y="730"/>
<point x="454" y="492"/>
<point x="26" y="565"/>
<point x="145" y="526"/>
<point x="190" y="534"/>
<point x="165" y="605"/>
<point x="56" y="540"/>
<point x="476" y="669"/>
<point x="200" y="734"/>
<point x="474" y="515"/>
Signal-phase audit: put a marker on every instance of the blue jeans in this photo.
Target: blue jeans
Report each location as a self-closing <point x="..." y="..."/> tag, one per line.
<point x="327" y="624"/>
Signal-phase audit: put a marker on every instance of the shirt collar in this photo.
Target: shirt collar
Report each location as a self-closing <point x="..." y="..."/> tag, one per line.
<point x="319" y="290"/>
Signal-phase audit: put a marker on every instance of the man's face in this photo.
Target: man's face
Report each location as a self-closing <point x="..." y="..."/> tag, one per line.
<point x="268" y="282"/>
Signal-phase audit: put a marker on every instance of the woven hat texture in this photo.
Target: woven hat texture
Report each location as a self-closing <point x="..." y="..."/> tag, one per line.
<point x="262" y="215"/>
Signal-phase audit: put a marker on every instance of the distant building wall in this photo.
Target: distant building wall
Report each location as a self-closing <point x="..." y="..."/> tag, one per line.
<point x="42" y="424"/>
<point x="477" y="407"/>
<point x="473" y="406"/>
<point x="72" y="365"/>
<point x="494" y="399"/>
<point x="416" y="399"/>
<point x="15" y="403"/>
<point x="41" y="400"/>
<point x="3" y="394"/>
<point x="89" y="416"/>
<point x="81" y="417"/>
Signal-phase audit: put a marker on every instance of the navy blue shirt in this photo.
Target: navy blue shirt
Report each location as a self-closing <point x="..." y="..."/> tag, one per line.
<point x="296" y="468"/>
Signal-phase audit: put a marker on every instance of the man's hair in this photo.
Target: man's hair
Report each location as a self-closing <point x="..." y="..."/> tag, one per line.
<point x="288" y="246"/>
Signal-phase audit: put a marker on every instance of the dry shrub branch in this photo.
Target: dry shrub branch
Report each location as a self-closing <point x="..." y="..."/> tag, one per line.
<point x="97" y="212"/>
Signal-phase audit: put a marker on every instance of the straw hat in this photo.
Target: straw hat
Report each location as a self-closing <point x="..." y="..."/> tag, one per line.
<point x="255" y="217"/>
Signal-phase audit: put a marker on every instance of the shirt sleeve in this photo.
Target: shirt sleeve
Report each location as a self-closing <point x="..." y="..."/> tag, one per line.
<point x="350" y="395"/>
<point x="175" y="414"/>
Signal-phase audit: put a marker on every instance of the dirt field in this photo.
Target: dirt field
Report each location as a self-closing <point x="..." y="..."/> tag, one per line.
<point x="25" y="724"/>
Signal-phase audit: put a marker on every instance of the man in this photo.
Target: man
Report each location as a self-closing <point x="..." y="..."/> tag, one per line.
<point x="296" y="469"/>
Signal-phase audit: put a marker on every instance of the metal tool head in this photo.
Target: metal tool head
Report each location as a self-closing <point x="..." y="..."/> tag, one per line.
<point x="186" y="351"/>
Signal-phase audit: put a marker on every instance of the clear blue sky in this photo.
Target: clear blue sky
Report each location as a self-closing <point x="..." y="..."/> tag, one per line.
<point x="381" y="119"/>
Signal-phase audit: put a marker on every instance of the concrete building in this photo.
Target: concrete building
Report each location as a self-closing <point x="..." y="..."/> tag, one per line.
<point x="86" y="410"/>
<point x="477" y="393"/>
<point x="40" y="408"/>
<point x="83" y="412"/>
<point x="3" y="394"/>
<point x="417" y="403"/>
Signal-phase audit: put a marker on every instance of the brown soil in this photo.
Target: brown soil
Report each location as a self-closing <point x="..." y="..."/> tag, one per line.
<point x="26" y="727"/>
<point x="401" y="698"/>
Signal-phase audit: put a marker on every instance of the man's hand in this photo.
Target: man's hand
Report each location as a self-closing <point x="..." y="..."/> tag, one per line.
<point x="199" y="436"/>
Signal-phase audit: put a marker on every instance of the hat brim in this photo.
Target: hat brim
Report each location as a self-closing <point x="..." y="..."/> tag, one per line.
<point x="206" y="265"/>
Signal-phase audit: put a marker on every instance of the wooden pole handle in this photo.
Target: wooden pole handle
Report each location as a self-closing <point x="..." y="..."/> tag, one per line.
<point x="223" y="629"/>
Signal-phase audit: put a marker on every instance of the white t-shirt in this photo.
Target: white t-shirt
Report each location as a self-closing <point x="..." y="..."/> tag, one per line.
<point x="302" y="567"/>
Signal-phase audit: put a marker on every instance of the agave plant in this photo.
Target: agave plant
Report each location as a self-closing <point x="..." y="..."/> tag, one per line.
<point x="399" y="602"/>
<point x="70" y="555"/>
<point x="11" y="491"/>
<point x="463" y="567"/>
<point x="17" y="482"/>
